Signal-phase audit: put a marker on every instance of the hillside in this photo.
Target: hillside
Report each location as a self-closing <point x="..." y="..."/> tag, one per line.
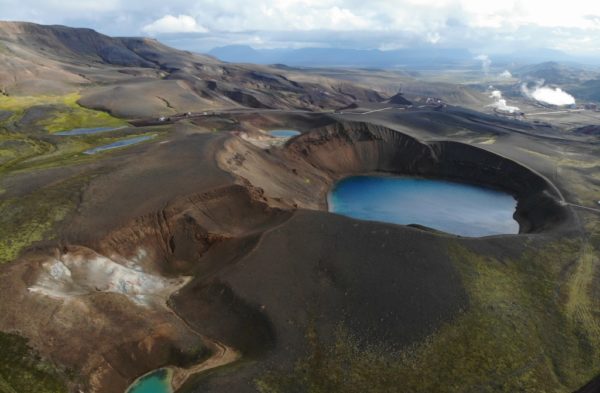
<point x="555" y="73"/>
<point x="140" y="77"/>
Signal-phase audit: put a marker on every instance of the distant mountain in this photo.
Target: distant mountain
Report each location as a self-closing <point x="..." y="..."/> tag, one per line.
<point x="141" y="77"/>
<point x="422" y="58"/>
<point x="555" y="73"/>
<point x="531" y="56"/>
<point x="588" y="90"/>
<point x="580" y="81"/>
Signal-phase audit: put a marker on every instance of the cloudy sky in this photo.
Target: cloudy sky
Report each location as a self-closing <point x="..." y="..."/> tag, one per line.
<point x="483" y="26"/>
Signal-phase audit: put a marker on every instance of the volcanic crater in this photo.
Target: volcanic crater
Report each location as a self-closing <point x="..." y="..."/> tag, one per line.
<point x="300" y="173"/>
<point x="202" y="280"/>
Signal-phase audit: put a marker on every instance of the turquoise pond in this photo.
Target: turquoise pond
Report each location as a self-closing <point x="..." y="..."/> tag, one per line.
<point x="117" y="144"/>
<point x="284" y="133"/>
<point x="158" y="381"/>
<point x="87" y="131"/>
<point x="457" y="208"/>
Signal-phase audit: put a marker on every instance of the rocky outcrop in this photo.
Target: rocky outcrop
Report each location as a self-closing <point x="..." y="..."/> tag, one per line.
<point x="399" y="99"/>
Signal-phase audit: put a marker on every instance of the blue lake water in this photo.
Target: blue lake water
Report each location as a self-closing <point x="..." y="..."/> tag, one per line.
<point x="158" y="381"/>
<point x="87" y="131"/>
<point x="117" y="144"/>
<point x="457" y="208"/>
<point x="284" y="133"/>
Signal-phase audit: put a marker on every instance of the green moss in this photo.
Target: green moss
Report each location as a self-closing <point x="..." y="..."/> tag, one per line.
<point x="4" y="49"/>
<point x="523" y="332"/>
<point x="68" y="114"/>
<point x="31" y="148"/>
<point x="15" y="148"/>
<point x="35" y="154"/>
<point x="22" y="370"/>
<point x="21" y="150"/>
<point x="79" y="117"/>
<point x="31" y="218"/>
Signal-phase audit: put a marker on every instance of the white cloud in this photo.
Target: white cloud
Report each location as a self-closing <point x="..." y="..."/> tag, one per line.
<point x="282" y="15"/>
<point x="433" y="37"/>
<point x="174" y="24"/>
<point x="480" y="25"/>
<point x="419" y="16"/>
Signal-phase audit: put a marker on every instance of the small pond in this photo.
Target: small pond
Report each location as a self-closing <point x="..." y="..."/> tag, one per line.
<point x="284" y="133"/>
<point x="87" y="131"/>
<point x="158" y="381"/>
<point x="117" y="144"/>
<point x="452" y="207"/>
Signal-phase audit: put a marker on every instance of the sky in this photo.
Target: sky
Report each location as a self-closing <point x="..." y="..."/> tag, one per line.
<point x="484" y="26"/>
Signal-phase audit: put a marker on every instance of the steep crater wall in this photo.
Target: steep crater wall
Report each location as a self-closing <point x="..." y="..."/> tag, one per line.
<point x="302" y="172"/>
<point x="105" y="303"/>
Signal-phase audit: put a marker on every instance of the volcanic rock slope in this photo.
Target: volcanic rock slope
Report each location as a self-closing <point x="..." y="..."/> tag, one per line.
<point x="210" y="251"/>
<point x="137" y="77"/>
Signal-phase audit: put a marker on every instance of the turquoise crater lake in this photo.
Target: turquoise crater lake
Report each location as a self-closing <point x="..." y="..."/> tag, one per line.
<point x="284" y="133"/>
<point x="457" y="208"/>
<point x="158" y="381"/>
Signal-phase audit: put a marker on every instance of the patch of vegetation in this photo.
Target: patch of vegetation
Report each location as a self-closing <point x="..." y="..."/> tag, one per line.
<point x="3" y="48"/>
<point x="530" y="327"/>
<point x="31" y="218"/>
<point x="71" y="150"/>
<point x="27" y="146"/>
<point x="21" y="147"/>
<point x="15" y="147"/>
<point x="22" y="370"/>
<point x="22" y="153"/>
<point x="67" y="114"/>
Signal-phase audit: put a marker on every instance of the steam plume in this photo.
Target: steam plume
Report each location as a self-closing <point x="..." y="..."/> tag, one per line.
<point x="505" y="75"/>
<point x="501" y="104"/>
<point x="548" y="95"/>
<point x="486" y="62"/>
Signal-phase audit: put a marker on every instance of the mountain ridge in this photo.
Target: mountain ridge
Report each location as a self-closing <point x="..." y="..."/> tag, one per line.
<point x="340" y="57"/>
<point x="139" y="77"/>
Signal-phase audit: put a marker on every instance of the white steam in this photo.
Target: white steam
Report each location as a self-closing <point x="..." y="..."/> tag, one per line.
<point x="505" y="75"/>
<point x="500" y="104"/>
<point x="486" y="63"/>
<point x="555" y="96"/>
<point x="549" y="95"/>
